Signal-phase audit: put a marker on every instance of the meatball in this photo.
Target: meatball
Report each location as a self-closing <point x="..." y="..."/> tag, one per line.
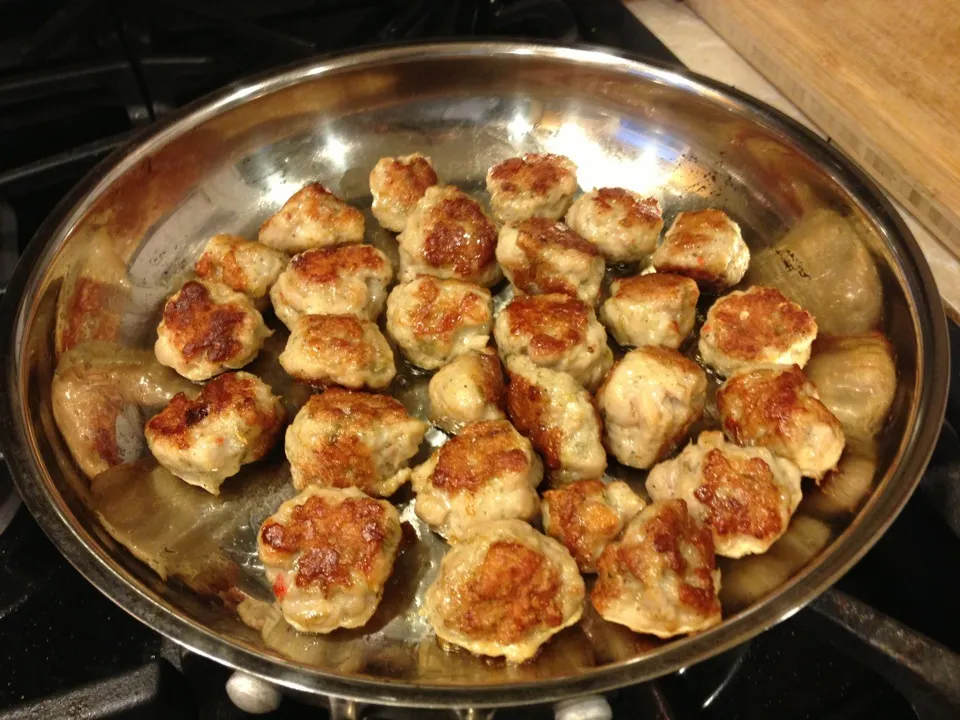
<point x="661" y="578"/>
<point x="648" y="402"/>
<point x="504" y="591"/>
<point x="532" y="186"/>
<point x="779" y="409"/>
<point x="744" y="496"/>
<point x="349" y="280"/>
<point x="327" y="554"/>
<point x="557" y="332"/>
<point x="623" y="225"/>
<point x="208" y="328"/>
<point x="559" y="417"/>
<point x="542" y="256"/>
<point x="338" y="350"/>
<point x="654" y="309"/>
<point x="587" y="515"/>
<point x="450" y="236"/>
<point x="343" y="438"/>
<point x="313" y="217"/>
<point x="434" y="320"/>
<point x="706" y="246"/>
<point x="234" y="420"/>
<point x="397" y="184"/>
<point x="466" y="390"/>
<point x="759" y="326"/>
<point x="487" y="472"/>
<point x="246" y="267"/>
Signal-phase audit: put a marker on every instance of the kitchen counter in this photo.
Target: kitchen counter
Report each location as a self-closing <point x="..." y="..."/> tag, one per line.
<point x="703" y="51"/>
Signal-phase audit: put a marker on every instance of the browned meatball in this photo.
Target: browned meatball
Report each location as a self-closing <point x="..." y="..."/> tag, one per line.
<point x="661" y="578"/>
<point x="328" y="553"/>
<point x="208" y="328"/>
<point x="541" y="256"/>
<point x="779" y="409"/>
<point x="705" y="245"/>
<point x="312" y="217"/>
<point x="397" y="184"/>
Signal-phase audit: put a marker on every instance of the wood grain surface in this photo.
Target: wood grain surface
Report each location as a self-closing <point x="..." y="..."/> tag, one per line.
<point x="881" y="77"/>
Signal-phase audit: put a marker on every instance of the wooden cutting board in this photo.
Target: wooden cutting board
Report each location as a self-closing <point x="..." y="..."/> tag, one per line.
<point x="880" y="77"/>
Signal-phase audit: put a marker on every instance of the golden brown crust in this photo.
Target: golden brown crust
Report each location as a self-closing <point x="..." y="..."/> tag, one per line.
<point x="537" y="238"/>
<point x="577" y="524"/>
<point x="231" y="391"/>
<point x="490" y="380"/>
<point x="439" y="315"/>
<point x="459" y="235"/>
<point x="313" y="203"/>
<point x="781" y="401"/>
<point x="338" y="336"/>
<point x="555" y="323"/>
<point x="636" y="211"/>
<point x="528" y="406"/>
<point x="352" y="409"/>
<point x="513" y="591"/>
<point x="406" y="179"/>
<point x="324" y="265"/>
<point x="482" y="451"/>
<point x="656" y="287"/>
<point x="751" y="324"/>
<point x="225" y="268"/>
<point x="531" y="172"/>
<point x="740" y="496"/>
<point x="200" y="327"/>
<point x="336" y="540"/>
<point x="669" y="528"/>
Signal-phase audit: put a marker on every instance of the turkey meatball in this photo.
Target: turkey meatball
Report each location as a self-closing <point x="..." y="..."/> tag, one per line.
<point x="246" y="267"/>
<point x="487" y="472"/>
<point x="661" y="578"/>
<point x="654" y="309"/>
<point x="541" y="256"/>
<point x="557" y="332"/>
<point x="343" y="438"/>
<point x="448" y="235"/>
<point x="349" y="280"/>
<point x="234" y="420"/>
<point x="504" y="591"/>
<point x="328" y="554"/>
<point x="397" y="184"/>
<point x="623" y="225"/>
<point x="338" y="350"/>
<point x="587" y="515"/>
<point x="744" y="496"/>
<point x="559" y="417"/>
<point x="532" y="186"/>
<point x="779" y="409"/>
<point x="705" y="245"/>
<point x="433" y="320"/>
<point x="313" y="217"/>
<point x="759" y="326"/>
<point x="466" y="390"/>
<point x="648" y="403"/>
<point x="208" y="328"/>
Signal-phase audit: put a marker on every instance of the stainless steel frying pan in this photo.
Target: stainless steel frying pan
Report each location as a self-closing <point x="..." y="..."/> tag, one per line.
<point x="102" y="264"/>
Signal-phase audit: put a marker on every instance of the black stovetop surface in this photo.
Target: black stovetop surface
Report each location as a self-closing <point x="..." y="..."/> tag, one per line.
<point x="77" y="78"/>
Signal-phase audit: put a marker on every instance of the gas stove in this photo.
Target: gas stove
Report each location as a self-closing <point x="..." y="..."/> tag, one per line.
<point x="79" y="78"/>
